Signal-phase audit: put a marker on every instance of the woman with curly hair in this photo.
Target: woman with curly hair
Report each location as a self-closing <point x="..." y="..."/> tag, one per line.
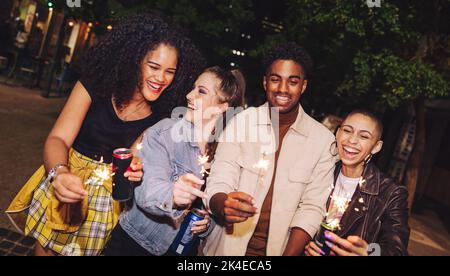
<point x="132" y="79"/>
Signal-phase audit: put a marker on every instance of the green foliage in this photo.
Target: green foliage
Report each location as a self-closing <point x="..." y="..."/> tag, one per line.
<point x="361" y="53"/>
<point x="367" y="53"/>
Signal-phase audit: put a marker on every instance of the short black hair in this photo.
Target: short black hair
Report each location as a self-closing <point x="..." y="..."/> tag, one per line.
<point x="289" y="51"/>
<point x="368" y="113"/>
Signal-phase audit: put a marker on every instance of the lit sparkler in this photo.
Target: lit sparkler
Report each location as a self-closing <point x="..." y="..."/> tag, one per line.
<point x="100" y="175"/>
<point x="263" y="166"/>
<point x="202" y="161"/>
<point x="139" y="146"/>
<point x="339" y="205"/>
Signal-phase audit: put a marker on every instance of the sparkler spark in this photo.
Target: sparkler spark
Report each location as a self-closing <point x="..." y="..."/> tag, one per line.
<point x="341" y="203"/>
<point x="100" y="175"/>
<point x="263" y="163"/>
<point x="361" y="181"/>
<point x="139" y="146"/>
<point x="263" y="166"/>
<point x="202" y="160"/>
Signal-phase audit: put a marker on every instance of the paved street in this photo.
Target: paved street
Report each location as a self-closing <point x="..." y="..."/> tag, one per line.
<point x="25" y="120"/>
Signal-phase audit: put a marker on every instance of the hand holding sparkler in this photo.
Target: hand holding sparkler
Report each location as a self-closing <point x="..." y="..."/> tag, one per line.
<point x="186" y="189"/>
<point x="352" y="246"/>
<point x="68" y="188"/>
<point x="238" y="207"/>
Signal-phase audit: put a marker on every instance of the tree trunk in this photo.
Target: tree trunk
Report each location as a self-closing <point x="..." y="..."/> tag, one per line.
<point x="415" y="162"/>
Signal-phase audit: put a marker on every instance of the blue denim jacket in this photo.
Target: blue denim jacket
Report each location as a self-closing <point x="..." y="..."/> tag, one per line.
<point x="166" y="154"/>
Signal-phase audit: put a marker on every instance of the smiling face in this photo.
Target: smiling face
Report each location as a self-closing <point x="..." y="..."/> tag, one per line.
<point x="205" y="100"/>
<point x="357" y="138"/>
<point x="284" y="84"/>
<point x="158" y="71"/>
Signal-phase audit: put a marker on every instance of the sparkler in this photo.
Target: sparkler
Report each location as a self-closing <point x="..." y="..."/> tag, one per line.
<point x="139" y="146"/>
<point x="263" y="166"/>
<point x="100" y="175"/>
<point x="202" y="161"/>
<point x="339" y="205"/>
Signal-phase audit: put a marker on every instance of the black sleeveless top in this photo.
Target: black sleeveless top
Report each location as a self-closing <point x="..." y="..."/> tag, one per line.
<point x="103" y="131"/>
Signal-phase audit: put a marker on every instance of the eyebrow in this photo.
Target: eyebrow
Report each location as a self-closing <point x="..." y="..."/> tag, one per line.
<point x="157" y="64"/>
<point x="366" y="131"/>
<point x="290" y="77"/>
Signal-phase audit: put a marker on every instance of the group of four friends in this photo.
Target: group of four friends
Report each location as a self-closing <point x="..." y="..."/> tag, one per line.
<point x="271" y="176"/>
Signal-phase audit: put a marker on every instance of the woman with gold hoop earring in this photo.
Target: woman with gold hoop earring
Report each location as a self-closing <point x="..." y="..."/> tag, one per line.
<point x="371" y="212"/>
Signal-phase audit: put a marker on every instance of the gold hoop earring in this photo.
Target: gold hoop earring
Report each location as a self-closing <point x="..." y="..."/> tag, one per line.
<point x="368" y="158"/>
<point x="334" y="149"/>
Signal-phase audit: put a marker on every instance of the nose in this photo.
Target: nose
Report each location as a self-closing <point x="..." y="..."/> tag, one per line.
<point x="190" y="95"/>
<point x="353" y="139"/>
<point x="160" y="76"/>
<point x="283" y="87"/>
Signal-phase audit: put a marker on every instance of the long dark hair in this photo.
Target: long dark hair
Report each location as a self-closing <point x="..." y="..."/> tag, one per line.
<point x="113" y="67"/>
<point x="232" y="87"/>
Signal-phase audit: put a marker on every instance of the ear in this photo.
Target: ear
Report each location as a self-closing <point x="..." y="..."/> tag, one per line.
<point x="264" y="82"/>
<point x="377" y="148"/>
<point x="305" y="84"/>
<point x="224" y="107"/>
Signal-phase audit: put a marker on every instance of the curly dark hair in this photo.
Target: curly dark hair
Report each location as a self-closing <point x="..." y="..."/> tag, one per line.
<point x="113" y="66"/>
<point x="289" y="51"/>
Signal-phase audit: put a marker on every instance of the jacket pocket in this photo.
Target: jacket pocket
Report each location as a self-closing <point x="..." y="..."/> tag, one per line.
<point x="298" y="180"/>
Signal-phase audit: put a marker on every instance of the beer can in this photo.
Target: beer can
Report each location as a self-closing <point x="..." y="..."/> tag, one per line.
<point x="122" y="187"/>
<point x="185" y="239"/>
<point x="320" y="238"/>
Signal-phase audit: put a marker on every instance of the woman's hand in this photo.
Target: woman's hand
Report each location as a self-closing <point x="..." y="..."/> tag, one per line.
<point x="68" y="188"/>
<point x="186" y="189"/>
<point x="201" y="225"/>
<point x="352" y="246"/>
<point x="136" y="172"/>
<point x="312" y="249"/>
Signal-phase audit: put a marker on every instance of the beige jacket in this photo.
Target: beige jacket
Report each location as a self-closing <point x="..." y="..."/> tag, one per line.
<point x="302" y="185"/>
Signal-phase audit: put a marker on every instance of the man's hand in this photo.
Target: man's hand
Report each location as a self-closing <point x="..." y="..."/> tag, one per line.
<point x="238" y="207"/>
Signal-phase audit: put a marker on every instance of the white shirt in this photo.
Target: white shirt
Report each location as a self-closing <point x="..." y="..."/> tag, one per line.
<point x="340" y="199"/>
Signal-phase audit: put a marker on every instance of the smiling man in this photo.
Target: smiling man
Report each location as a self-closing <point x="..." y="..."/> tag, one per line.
<point x="277" y="209"/>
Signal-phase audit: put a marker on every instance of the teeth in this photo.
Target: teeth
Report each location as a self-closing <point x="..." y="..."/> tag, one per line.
<point x="350" y="150"/>
<point x="282" y="98"/>
<point x="156" y="87"/>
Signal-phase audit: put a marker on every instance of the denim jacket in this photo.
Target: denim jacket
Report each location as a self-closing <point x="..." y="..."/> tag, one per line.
<point x="168" y="152"/>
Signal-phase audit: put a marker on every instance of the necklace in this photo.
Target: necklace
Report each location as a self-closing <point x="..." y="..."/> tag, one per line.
<point x="136" y="109"/>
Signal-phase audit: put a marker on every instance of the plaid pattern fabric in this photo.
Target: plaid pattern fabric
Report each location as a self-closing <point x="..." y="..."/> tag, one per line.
<point x="92" y="235"/>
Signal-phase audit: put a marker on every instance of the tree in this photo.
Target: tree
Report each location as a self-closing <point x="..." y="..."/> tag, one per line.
<point x="387" y="56"/>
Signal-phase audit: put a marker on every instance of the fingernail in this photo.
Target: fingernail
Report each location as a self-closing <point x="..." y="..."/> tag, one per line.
<point x="329" y="244"/>
<point x="328" y="235"/>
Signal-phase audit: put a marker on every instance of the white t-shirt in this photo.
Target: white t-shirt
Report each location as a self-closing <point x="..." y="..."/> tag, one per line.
<point x="340" y="199"/>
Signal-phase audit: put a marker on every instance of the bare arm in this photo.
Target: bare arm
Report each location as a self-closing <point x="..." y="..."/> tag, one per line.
<point x="66" y="128"/>
<point x="297" y="242"/>
<point x="68" y="188"/>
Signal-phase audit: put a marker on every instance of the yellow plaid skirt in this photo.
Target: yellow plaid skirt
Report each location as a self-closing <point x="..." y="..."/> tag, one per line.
<point x="81" y="229"/>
